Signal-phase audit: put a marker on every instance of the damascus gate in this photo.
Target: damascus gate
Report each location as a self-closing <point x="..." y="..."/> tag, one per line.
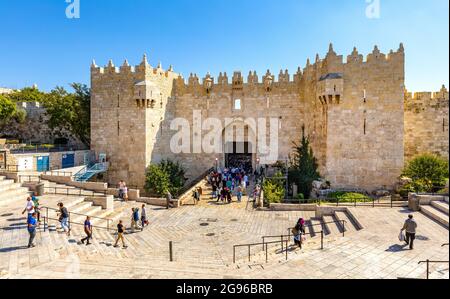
<point x="362" y="121"/>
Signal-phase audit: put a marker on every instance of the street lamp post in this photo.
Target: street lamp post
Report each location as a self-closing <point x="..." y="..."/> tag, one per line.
<point x="217" y="164"/>
<point x="287" y="181"/>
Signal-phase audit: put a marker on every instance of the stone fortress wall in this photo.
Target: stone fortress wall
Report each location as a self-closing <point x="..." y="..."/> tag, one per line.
<point x="426" y="123"/>
<point x="37" y="118"/>
<point x="355" y="113"/>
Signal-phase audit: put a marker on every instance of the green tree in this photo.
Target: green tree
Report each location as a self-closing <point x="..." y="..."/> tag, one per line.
<point x="165" y="176"/>
<point x="70" y="110"/>
<point x="176" y="174"/>
<point x="157" y="180"/>
<point x="273" y="188"/>
<point x="426" y="171"/>
<point x="9" y="111"/>
<point x="304" y="169"/>
<point x="28" y="94"/>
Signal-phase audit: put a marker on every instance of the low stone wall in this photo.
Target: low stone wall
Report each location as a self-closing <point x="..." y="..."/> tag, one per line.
<point x="106" y="202"/>
<point x="416" y="200"/>
<point x="66" y="180"/>
<point x="160" y="202"/>
<point x="292" y="207"/>
<point x="133" y="194"/>
<point x="10" y="175"/>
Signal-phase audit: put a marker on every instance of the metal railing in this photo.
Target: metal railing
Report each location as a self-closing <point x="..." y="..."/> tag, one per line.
<point x="428" y="262"/>
<point x="29" y="178"/>
<point x="355" y="202"/>
<point x="46" y="148"/>
<point x="58" y="173"/>
<point x="75" y="191"/>
<point x="342" y="222"/>
<point x="249" y="246"/>
<point x="47" y="218"/>
<point x="186" y="189"/>
<point x="289" y="237"/>
<point x="11" y="168"/>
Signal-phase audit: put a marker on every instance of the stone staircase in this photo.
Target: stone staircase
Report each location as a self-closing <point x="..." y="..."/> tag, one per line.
<point x="438" y="211"/>
<point x="10" y="191"/>
<point x="330" y="225"/>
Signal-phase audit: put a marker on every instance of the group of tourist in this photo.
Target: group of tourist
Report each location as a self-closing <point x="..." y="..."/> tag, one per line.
<point x="228" y="182"/>
<point x="224" y="183"/>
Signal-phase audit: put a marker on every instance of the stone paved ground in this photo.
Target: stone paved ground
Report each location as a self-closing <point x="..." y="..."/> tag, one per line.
<point x="373" y="252"/>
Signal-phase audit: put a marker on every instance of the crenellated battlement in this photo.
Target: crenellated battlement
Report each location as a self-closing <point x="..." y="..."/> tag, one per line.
<point x="144" y="69"/>
<point x="332" y="63"/>
<point x="442" y="94"/>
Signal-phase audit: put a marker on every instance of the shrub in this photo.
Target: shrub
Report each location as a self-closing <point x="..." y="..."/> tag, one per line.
<point x="348" y="196"/>
<point x="273" y="188"/>
<point x="426" y="171"/>
<point x="166" y="176"/>
<point x="157" y="180"/>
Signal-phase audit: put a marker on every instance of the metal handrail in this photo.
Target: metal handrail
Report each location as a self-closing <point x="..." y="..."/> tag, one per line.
<point x="289" y="237"/>
<point x="77" y="214"/>
<point x="58" y="173"/>
<point x="257" y="244"/>
<point x="79" y="191"/>
<point x="186" y="190"/>
<point x="354" y="201"/>
<point x="322" y="223"/>
<point x="428" y="262"/>
<point x="46" y="224"/>
<point x="9" y="167"/>
<point x="29" y="178"/>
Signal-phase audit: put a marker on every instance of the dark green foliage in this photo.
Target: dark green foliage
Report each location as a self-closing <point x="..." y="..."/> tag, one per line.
<point x="9" y="111"/>
<point x="427" y="171"/>
<point x="70" y="111"/>
<point x="304" y="169"/>
<point x="166" y="176"/>
<point x="274" y="191"/>
<point x="65" y="110"/>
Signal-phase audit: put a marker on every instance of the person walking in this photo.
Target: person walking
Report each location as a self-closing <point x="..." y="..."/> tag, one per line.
<point x="298" y="232"/>
<point x="168" y="200"/>
<point x="122" y="185"/>
<point x="239" y="193"/>
<point x="64" y="218"/>
<point x="144" y="221"/>
<point x="31" y="226"/>
<point x="35" y="201"/>
<point x="87" y="231"/>
<point x="29" y="207"/>
<point x="120" y="230"/>
<point x="134" y="219"/>
<point x="410" y="227"/>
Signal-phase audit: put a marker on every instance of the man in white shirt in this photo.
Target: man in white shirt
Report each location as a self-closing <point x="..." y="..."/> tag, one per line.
<point x="30" y="206"/>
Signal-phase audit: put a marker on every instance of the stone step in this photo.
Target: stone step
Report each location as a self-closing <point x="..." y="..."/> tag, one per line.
<point x="13" y="195"/>
<point x="317" y="227"/>
<point x="6" y="187"/>
<point x="441" y="206"/>
<point x="333" y="228"/>
<point x="349" y="225"/>
<point x="6" y="182"/>
<point x="435" y="214"/>
<point x="446" y="199"/>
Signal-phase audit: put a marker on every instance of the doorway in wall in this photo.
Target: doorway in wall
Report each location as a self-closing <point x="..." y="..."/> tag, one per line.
<point x="239" y="154"/>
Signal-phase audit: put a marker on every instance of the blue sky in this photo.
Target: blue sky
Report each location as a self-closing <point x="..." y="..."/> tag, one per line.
<point x="39" y="44"/>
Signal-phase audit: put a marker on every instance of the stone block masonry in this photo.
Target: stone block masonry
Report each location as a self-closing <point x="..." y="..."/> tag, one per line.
<point x="361" y="121"/>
